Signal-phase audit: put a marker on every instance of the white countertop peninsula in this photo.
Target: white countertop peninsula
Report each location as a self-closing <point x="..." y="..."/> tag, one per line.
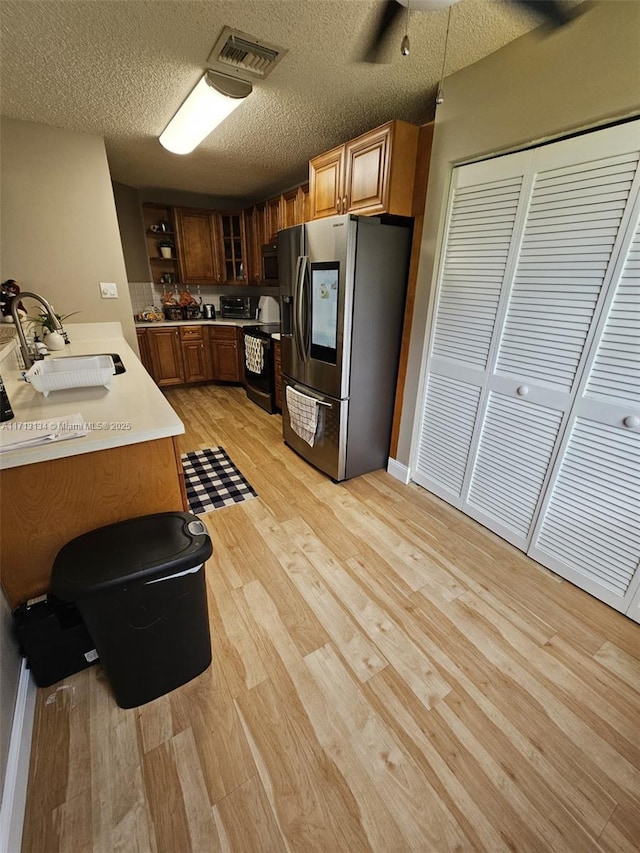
<point x="131" y="411"/>
<point x="51" y="493"/>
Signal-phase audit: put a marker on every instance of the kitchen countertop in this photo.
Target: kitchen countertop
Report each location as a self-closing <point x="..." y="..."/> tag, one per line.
<point x="133" y="410"/>
<point x="224" y="321"/>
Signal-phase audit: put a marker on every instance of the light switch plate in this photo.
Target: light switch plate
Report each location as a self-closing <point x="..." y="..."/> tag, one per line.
<point x="108" y="290"/>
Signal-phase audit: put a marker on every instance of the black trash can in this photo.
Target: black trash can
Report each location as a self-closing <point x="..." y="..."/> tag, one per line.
<point x="140" y="587"/>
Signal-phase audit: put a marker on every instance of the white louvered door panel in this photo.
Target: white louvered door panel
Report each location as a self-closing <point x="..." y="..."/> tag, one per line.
<point x="516" y="443"/>
<point x="485" y="206"/>
<point x="576" y="222"/>
<point x="589" y="528"/>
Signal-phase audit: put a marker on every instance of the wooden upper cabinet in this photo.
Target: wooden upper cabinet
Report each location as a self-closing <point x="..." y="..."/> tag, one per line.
<point x="273" y="218"/>
<point x="199" y="254"/>
<point x="289" y="208"/>
<point x="367" y="172"/>
<point x="233" y="247"/>
<point x="371" y="174"/>
<point x="295" y="206"/>
<point x="252" y="232"/>
<point x="304" y="199"/>
<point x="326" y="181"/>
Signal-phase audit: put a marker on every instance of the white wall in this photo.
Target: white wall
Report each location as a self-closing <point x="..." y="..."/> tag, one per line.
<point x="58" y="230"/>
<point x="9" y="675"/>
<point x="536" y="88"/>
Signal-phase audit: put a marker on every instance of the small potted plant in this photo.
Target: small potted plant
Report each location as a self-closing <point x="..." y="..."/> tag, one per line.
<point x="166" y="248"/>
<point x="44" y="330"/>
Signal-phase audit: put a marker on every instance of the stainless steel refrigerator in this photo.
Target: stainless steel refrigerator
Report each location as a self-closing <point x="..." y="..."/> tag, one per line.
<point x="342" y="291"/>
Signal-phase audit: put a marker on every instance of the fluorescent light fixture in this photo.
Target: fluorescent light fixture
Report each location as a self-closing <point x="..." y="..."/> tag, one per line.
<point x="211" y="101"/>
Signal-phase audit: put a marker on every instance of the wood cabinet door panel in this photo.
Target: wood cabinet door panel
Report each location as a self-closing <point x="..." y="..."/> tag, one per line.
<point x="226" y="353"/>
<point x="367" y="172"/>
<point x="198" y="255"/>
<point x="143" y="346"/>
<point x="232" y="247"/>
<point x="196" y="356"/>
<point x="303" y="204"/>
<point x="166" y="355"/>
<point x="326" y="182"/>
<point x="253" y="232"/>
<point x="225" y="361"/>
<point x="290" y="208"/>
<point x="273" y="217"/>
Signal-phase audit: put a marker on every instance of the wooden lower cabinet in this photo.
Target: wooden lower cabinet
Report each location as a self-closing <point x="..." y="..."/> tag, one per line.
<point x="175" y="355"/>
<point x="196" y="354"/>
<point x="277" y="365"/>
<point x="226" y="353"/>
<point x="165" y="354"/>
<point x="143" y="346"/>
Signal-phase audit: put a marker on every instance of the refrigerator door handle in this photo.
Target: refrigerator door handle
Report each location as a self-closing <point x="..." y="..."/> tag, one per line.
<point x="296" y="309"/>
<point x="300" y="324"/>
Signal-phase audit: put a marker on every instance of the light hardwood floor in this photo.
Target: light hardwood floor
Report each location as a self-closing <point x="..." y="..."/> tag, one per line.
<point x="388" y="676"/>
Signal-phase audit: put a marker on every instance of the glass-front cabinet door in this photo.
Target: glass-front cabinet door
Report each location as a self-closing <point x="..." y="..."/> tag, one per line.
<point x="233" y="253"/>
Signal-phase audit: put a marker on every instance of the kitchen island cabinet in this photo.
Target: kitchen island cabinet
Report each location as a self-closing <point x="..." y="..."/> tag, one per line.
<point x="126" y="466"/>
<point x="369" y="175"/>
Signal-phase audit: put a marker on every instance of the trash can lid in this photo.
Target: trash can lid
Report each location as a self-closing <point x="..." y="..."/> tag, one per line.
<point x="138" y="549"/>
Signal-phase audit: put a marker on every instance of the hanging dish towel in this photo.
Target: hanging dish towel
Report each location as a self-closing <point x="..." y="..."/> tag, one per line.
<point x="253" y="354"/>
<point x="303" y="414"/>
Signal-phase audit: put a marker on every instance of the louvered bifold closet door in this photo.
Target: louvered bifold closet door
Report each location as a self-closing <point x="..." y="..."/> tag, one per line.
<point x="572" y="238"/>
<point x="589" y="528"/>
<point x="485" y="207"/>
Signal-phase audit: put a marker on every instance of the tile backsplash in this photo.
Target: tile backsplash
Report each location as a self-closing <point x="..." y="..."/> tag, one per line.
<point x="146" y="293"/>
<point x="142" y="295"/>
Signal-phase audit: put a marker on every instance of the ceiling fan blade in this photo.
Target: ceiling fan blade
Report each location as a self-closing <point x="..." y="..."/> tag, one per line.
<point x="552" y="12"/>
<point x="389" y="15"/>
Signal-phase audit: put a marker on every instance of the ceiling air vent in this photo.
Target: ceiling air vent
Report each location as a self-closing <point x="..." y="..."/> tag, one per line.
<point x="243" y="55"/>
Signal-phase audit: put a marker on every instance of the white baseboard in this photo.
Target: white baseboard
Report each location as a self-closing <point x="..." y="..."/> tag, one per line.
<point x="14" y="794"/>
<point x="398" y="470"/>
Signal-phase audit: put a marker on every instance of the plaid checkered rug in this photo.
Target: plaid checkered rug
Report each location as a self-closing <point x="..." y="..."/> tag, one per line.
<point x="213" y="481"/>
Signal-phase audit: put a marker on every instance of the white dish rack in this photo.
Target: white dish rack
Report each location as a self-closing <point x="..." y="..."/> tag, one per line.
<point x="56" y="374"/>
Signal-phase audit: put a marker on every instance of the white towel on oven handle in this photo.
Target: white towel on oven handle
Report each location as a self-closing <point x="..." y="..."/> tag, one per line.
<point x="253" y="354"/>
<point x="303" y="414"/>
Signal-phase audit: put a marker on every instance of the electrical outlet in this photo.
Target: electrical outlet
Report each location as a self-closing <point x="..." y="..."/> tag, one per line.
<point x="108" y="290"/>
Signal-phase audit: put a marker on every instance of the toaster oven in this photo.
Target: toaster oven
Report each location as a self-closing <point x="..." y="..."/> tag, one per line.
<point x="239" y="307"/>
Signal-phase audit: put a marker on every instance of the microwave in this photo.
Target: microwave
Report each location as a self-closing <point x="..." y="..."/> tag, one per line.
<point x="239" y="307"/>
<point x="270" y="263"/>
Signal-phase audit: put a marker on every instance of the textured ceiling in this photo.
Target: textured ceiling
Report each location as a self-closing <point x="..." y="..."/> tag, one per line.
<point x="121" y="69"/>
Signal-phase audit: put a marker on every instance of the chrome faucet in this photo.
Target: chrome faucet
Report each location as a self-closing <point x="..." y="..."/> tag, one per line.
<point x="28" y="355"/>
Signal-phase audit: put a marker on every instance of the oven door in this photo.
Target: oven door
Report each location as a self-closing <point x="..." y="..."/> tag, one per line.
<point x="259" y="370"/>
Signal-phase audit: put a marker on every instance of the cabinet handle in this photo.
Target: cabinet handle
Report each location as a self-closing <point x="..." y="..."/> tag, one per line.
<point x="344" y="204"/>
<point x="339" y="205"/>
<point x="631" y="421"/>
<point x="522" y="391"/>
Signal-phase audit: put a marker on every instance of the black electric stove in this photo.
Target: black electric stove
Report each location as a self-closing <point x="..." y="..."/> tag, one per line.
<point x="259" y="369"/>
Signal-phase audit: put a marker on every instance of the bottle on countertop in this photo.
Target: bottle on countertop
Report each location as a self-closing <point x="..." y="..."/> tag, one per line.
<point x="6" y="412"/>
